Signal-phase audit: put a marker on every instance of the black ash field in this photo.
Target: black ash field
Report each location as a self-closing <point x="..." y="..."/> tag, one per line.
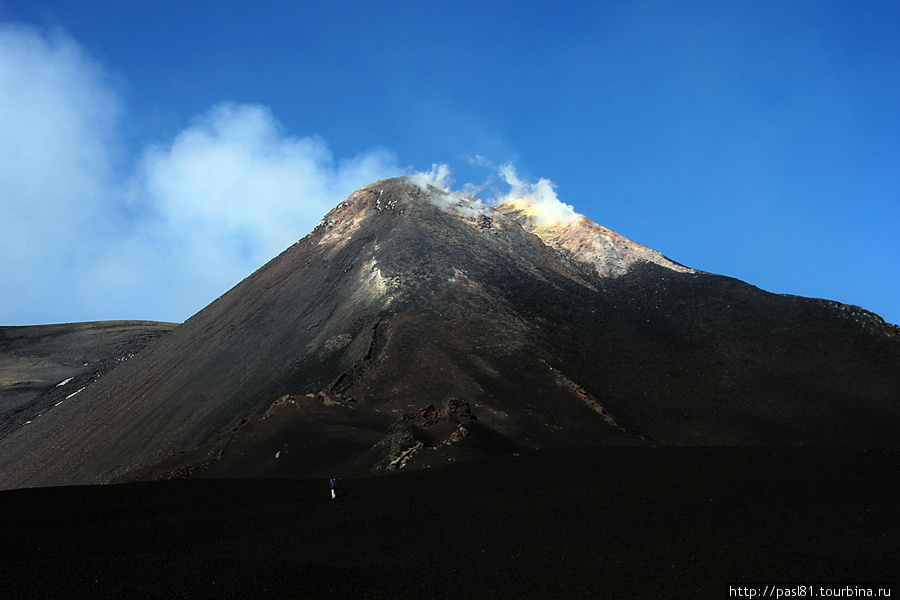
<point x="589" y="523"/>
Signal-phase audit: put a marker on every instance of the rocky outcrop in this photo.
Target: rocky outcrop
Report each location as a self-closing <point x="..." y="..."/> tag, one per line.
<point x="428" y="427"/>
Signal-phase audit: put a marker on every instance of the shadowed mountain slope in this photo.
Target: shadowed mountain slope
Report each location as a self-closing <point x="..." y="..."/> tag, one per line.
<point x="415" y="326"/>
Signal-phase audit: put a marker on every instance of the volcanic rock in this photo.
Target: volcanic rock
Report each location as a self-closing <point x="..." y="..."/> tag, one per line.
<point x="428" y="427"/>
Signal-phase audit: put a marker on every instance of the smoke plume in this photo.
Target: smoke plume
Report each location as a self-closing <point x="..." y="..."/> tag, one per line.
<point x="539" y="199"/>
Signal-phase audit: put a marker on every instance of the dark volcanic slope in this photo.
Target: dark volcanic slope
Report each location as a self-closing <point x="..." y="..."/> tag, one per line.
<point x="591" y="523"/>
<point x="43" y="365"/>
<point x="404" y="298"/>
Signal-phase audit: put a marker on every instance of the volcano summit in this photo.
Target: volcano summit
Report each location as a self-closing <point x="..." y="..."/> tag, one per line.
<point x="415" y="326"/>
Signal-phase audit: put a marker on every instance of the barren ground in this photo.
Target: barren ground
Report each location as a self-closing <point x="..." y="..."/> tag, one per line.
<point x="589" y="523"/>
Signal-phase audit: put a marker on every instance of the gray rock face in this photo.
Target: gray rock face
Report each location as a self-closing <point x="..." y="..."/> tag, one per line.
<point x="404" y="297"/>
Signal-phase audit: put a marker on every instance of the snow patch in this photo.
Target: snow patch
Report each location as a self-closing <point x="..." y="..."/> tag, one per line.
<point x="64" y="382"/>
<point x="72" y="394"/>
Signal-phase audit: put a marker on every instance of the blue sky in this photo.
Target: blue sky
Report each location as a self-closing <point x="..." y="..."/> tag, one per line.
<point x="154" y="154"/>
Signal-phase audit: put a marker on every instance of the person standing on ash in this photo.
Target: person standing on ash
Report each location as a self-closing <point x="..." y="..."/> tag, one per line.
<point x="333" y="485"/>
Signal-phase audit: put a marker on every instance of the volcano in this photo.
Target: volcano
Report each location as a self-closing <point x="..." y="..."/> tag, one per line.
<point x="416" y="326"/>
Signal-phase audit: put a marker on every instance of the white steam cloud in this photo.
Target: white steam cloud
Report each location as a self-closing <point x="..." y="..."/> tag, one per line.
<point x="544" y="207"/>
<point x="538" y="200"/>
<point x="85" y="234"/>
<point x="438" y="176"/>
<point x="58" y="117"/>
<point x="446" y="199"/>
